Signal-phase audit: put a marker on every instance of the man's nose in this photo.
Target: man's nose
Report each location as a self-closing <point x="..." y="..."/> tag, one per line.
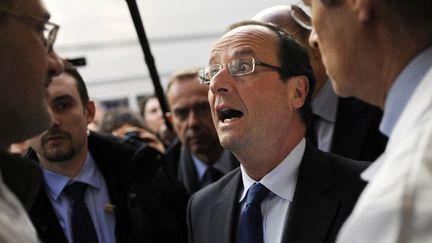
<point x="55" y="65"/>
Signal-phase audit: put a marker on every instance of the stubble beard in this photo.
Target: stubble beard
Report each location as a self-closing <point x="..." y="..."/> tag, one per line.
<point x="58" y="155"/>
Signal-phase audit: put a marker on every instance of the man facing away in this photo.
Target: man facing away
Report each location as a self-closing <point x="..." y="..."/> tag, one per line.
<point x="344" y="126"/>
<point x="201" y="159"/>
<point x="96" y="189"/>
<point x="27" y="64"/>
<point x="260" y="84"/>
<point x="380" y="52"/>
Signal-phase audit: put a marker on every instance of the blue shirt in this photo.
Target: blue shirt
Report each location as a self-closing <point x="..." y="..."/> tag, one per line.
<point x="96" y="199"/>
<point x="403" y="88"/>
<point x="325" y="105"/>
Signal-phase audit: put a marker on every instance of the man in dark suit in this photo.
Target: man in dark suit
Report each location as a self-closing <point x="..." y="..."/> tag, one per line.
<point x="95" y="188"/>
<point x="27" y="64"/>
<point x="199" y="159"/>
<point x="345" y="126"/>
<point x="285" y="190"/>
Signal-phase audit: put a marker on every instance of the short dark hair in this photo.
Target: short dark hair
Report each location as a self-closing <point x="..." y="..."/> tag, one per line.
<point x="409" y="17"/>
<point x="119" y="116"/>
<point x="82" y="89"/>
<point x="405" y="17"/>
<point x="293" y="60"/>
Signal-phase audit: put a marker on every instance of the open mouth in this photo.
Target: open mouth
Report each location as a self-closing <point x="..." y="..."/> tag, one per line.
<point x="228" y="115"/>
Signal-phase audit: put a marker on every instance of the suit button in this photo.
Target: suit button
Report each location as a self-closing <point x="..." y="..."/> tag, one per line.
<point x="132" y="196"/>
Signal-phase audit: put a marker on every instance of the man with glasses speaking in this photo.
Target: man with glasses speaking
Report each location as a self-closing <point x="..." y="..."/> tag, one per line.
<point x="260" y="83"/>
<point x="27" y="64"/>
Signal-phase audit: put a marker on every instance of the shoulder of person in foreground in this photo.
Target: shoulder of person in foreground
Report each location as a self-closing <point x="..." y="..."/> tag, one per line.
<point x="158" y="196"/>
<point x="22" y="176"/>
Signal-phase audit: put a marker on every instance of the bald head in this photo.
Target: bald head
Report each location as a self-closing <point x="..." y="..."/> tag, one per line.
<point x="290" y="18"/>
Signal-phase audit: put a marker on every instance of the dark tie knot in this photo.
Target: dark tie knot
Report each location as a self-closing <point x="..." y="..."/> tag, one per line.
<point x="257" y="192"/>
<point x="76" y="190"/>
<point x="213" y="174"/>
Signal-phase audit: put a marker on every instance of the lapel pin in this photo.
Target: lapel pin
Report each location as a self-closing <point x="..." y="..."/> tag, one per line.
<point x="109" y="208"/>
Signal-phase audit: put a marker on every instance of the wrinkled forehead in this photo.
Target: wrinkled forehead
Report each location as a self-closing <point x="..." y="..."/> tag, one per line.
<point x="250" y="40"/>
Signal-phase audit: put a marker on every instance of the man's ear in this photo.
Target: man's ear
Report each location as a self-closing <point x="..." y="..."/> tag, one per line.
<point x="90" y="111"/>
<point x="301" y="90"/>
<point x="363" y="8"/>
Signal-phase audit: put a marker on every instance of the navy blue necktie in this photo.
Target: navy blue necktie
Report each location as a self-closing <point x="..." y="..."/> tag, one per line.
<point x="83" y="230"/>
<point x="251" y="230"/>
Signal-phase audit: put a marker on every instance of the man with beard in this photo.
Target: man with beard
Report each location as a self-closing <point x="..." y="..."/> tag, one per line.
<point x="97" y="189"/>
<point x="27" y="64"/>
<point x="201" y="159"/>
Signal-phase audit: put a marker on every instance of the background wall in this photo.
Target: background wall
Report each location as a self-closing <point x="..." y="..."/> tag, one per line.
<point x="181" y="33"/>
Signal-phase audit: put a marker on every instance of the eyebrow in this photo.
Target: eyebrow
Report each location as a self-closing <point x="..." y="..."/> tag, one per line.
<point x="60" y="98"/>
<point x="244" y="51"/>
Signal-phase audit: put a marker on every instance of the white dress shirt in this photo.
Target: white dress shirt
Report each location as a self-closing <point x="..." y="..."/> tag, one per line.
<point x="396" y="205"/>
<point x="281" y="182"/>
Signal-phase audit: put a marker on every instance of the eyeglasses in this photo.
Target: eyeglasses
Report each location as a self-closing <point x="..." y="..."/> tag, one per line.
<point x="49" y="29"/>
<point x="237" y="67"/>
<point x="300" y="17"/>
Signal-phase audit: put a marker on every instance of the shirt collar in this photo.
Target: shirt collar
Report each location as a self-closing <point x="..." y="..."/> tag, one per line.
<point x="403" y="88"/>
<point x="55" y="182"/>
<point x="282" y="179"/>
<point x="223" y="164"/>
<point x="325" y="103"/>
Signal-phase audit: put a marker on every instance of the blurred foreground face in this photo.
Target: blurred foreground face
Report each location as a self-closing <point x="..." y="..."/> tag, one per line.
<point x="153" y="115"/>
<point x="68" y="135"/>
<point x="344" y="53"/>
<point x="191" y="117"/>
<point x="26" y="69"/>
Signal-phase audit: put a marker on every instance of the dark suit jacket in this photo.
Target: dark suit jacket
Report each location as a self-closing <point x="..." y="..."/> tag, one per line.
<point x="326" y="191"/>
<point x="149" y="205"/>
<point x="181" y="165"/>
<point x="22" y="177"/>
<point x="356" y="134"/>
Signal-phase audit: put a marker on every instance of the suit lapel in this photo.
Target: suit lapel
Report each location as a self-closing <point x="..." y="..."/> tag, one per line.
<point x="187" y="173"/>
<point x="44" y="219"/>
<point x="225" y="213"/>
<point x="311" y="210"/>
<point x="351" y="122"/>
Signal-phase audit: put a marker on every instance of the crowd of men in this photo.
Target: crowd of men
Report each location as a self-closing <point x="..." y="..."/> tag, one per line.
<point x="299" y="129"/>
